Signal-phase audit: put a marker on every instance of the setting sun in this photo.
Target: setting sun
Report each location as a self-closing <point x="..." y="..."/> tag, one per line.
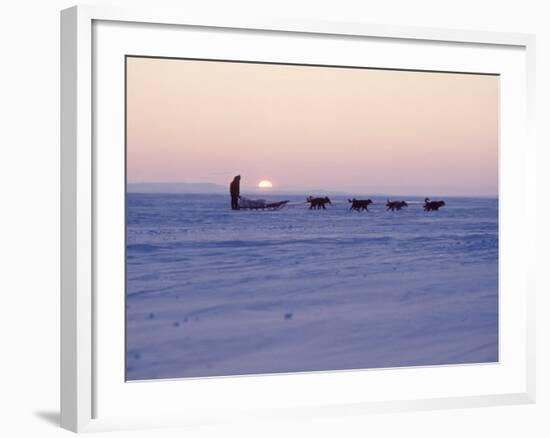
<point x="265" y="184"/>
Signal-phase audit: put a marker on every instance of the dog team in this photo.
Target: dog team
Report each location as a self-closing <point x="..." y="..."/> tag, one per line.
<point x="363" y="204"/>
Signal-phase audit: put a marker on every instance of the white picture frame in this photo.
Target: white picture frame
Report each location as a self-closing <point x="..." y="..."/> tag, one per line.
<point x="86" y="375"/>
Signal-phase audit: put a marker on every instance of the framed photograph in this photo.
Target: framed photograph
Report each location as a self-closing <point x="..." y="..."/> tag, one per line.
<point x="284" y="218"/>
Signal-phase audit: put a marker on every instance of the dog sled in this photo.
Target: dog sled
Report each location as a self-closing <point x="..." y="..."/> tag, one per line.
<point x="260" y="204"/>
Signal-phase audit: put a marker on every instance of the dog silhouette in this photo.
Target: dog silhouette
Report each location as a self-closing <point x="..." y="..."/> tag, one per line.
<point x="432" y="205"/>
<point x="317" y="203"/>
<point x="360" y="204"/>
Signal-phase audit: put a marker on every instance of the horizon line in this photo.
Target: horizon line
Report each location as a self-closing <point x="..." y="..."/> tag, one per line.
<point x="381" y="195"/>
<point x="281" y="189"/>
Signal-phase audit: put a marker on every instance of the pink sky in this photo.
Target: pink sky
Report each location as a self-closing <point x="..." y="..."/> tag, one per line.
<point x="358" y="130"/>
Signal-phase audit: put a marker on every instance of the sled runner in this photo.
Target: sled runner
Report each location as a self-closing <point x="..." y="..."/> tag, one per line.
<point x="260" y="204"/>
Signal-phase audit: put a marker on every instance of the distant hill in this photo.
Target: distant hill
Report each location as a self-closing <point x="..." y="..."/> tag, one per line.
<point x="212" y="188"/>
<point x="176" y="188"/>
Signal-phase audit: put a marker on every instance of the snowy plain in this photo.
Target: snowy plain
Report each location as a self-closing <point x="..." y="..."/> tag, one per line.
<point x="214" y="292"/>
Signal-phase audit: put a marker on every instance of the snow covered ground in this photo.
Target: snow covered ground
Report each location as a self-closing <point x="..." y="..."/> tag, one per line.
<point x="214" y="292"/>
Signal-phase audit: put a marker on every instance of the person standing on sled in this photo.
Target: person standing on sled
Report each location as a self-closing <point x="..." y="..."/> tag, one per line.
<point x="235" y="191"/>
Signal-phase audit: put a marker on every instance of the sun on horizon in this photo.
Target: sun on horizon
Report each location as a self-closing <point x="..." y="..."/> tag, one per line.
<point x="265" y="184"/>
